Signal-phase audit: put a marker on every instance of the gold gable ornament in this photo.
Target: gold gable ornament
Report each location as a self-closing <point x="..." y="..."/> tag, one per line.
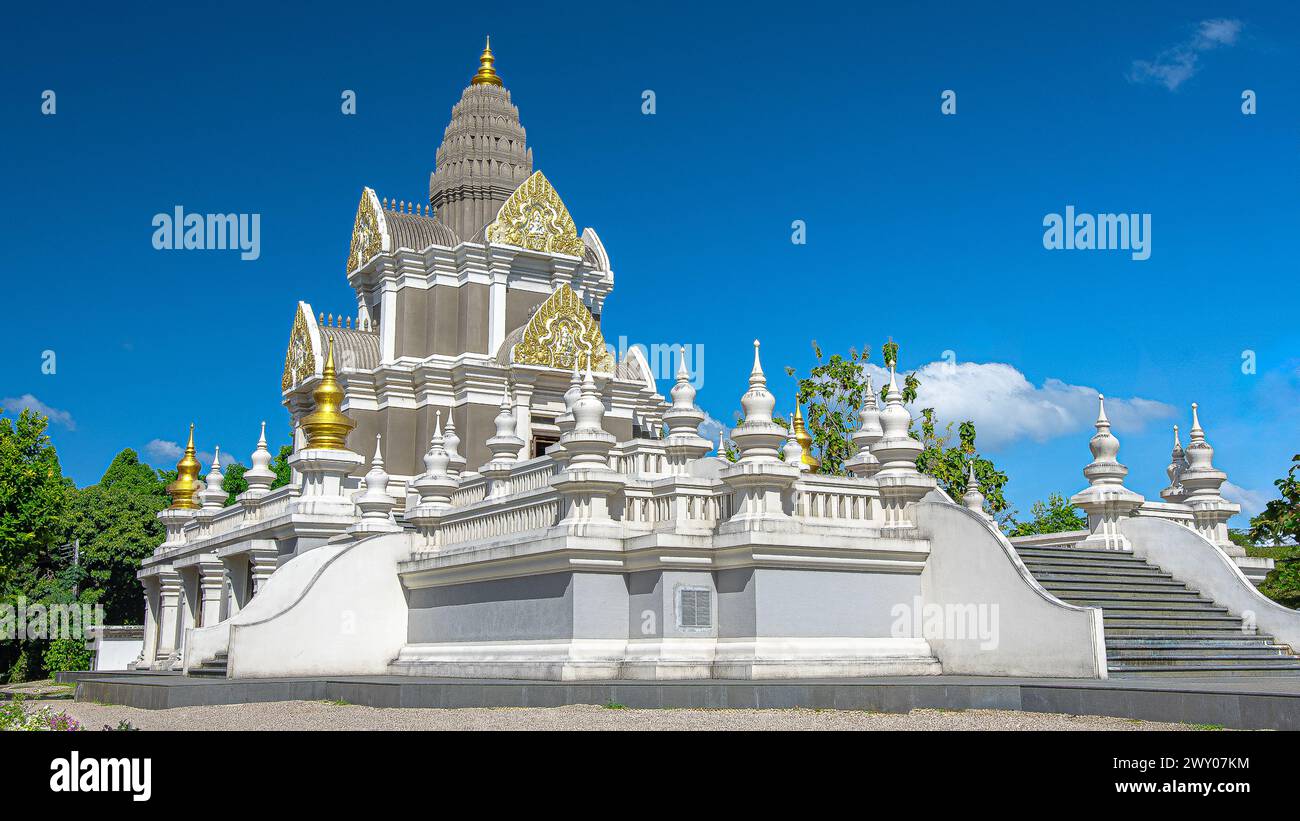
<point x="535" y="218"/>
<point x="367" y="235"/>
<point x="562" y="334"/>
<point x="300" y="359"/>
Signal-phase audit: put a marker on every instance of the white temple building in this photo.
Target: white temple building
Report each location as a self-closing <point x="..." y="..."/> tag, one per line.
<point x="481" y="489"/>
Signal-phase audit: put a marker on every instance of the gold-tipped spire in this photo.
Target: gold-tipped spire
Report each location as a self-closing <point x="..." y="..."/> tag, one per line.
<point x="805" y="440"/>
<point x="327" y="427"/>
<point x="187" y="478"/>
<point x="486" y="75"/>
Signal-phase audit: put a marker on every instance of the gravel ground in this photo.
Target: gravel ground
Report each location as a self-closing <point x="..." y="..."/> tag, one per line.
<point x="315" y="715"/>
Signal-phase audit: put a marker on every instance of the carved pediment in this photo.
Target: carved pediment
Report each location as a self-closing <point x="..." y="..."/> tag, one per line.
<point x="367" y="233"/>
<point x="534" y="217"/>
<point x="300" y="359"/>
<point x="563" y="332"/>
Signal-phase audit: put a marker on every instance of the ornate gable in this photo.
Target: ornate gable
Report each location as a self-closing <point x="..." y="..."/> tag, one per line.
<point x="300" y="361"/>
<point x="535" y="218"/>
<point x="563" y="332"/>
<point x="367" y="231"/>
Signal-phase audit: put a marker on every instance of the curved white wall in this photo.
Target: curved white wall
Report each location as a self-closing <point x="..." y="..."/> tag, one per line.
<point x="972" y="564"/>
<point x="335" y="610"/>
<point x="1191" y="558"/>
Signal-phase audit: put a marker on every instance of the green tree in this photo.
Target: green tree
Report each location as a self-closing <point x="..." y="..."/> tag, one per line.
<point x="1278" y="525"/>
<point x="950" y="464"/>
<point x="835" y="390"/>
<point x="117" y="526"/>
<point x="34" y="498"/>
<point x="234" y="483"/>
<point x="1279" y="522"/>
<point x="280" y="464"/>
<point x="1056" y="515"/>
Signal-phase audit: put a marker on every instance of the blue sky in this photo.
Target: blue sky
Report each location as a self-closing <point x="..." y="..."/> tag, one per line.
<point x="921" y="227"/>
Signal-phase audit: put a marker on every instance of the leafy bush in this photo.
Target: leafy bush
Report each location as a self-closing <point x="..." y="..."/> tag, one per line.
<point x="66" y="654"/>
<point x="14" y="716"/>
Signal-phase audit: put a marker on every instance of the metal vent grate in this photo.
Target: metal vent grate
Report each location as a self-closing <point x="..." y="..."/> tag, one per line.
<point x="694" y="608"/>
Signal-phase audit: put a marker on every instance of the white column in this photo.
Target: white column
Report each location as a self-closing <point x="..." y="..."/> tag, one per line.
<point x="388" y="323"/>
<point x="496" y="311"/>
<point x="524" y="412"/>
<point x="212" y="586"/>
<point x="150" y="650"/>
<point x="264" y="563"/>
<point x="169" y="592"/>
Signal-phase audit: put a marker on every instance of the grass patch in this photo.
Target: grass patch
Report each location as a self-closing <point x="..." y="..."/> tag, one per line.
<point x="614" y="705"/>
<point x="337" y="702"/>
<point x="1206" y="726"/>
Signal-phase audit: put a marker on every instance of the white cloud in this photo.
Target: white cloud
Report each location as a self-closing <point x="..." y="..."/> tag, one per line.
<point x="1176" y="65"/>
<point x="1252" y="501"/>
<point x="710" y="428"/>
<point x="16" y="405"/>
<point x="160" y="450"/>
<point x="1006" y="407"/>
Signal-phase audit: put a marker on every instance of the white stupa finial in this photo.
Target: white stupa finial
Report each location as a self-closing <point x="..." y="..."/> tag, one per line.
<point x="756" y="376"/>
<point x="974" y="498"/>
<point x="378" y="460"/>
<point x="259" y="477"/>
<point x="793" y="451"/>
<point x="1101" y="412"/>
<point x="1198" y="433"/>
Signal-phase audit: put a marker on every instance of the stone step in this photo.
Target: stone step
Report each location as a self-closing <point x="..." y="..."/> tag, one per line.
<point x="1090" y="572"/>
<point x="1121" y="596"/>
<point x="1172" y="605"/>
<point x="1122" y="591"/>
<point x="1164" y="641"/>
<point x="1253" y="663"/>
<point x="1142" y="656"/>
<point x="1122" y="619"/>
<point x="1071" y="581"/>
<point x="1140" y="671"/>
<point x="1118" y="556"/>
<point x="1082" y="561"/>
<point x="1204" y="612"/>
<point x="1149" y="629"/>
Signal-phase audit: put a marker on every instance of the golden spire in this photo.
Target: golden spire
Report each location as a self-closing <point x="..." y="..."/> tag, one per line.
<point x="187" y="478"/>
<point x="486" y="75"/>
<point x="327" y="427"/>
<point x="805" y="440"/>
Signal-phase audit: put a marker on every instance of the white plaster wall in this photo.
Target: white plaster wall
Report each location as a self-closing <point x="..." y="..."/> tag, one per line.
<point x="336" y="610"/>
<point x="972" y="563"/>
<point x="1190" y="557"/>
<point x="116" y="654"/>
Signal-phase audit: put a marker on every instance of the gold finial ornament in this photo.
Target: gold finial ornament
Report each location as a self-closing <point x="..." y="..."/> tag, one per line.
<point x="327" y="427"/>
<point x="805" y="440"/>
<point x="486" y="76"/>
<point x="187" y="478"/>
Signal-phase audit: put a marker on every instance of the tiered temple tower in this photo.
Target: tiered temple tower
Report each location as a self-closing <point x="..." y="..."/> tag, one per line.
<point x="492" y="290"/>
<point x="484" y="155"/>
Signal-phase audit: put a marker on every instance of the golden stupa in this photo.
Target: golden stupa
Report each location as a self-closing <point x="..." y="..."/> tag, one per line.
<point x="327" y="427"/>
<point x="486" y="76"/>
<point x="805" y="440"/>
<point x="187" y="478"/>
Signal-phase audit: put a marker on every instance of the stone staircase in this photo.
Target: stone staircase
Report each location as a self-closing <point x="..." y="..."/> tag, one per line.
<point x="212" y="668"/>
<point x="1155" y="624"/>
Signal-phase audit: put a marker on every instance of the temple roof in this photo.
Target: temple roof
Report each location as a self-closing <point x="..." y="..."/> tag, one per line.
<point x="417" y="231"/>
